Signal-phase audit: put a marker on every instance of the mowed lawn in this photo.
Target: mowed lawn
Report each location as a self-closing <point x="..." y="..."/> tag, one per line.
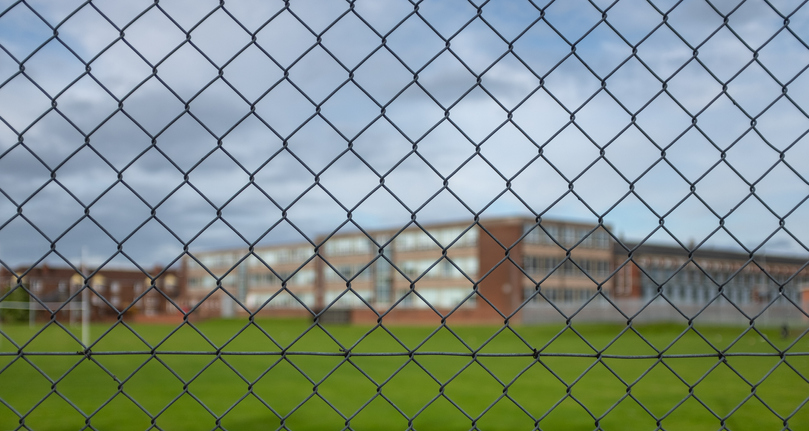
<point x="251" y="385"/>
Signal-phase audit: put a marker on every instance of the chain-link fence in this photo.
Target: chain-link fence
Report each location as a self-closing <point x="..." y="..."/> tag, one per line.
<point x="397" y="214"/>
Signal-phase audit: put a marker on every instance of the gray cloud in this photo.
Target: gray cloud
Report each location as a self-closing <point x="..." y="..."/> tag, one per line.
<point x="219" y="178"/>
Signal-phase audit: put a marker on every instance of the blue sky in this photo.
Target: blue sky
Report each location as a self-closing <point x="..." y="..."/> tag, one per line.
<point x="338" y="144"/>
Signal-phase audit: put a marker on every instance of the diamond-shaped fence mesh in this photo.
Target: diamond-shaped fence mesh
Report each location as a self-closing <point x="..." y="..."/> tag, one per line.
<point x="504" y="214"/>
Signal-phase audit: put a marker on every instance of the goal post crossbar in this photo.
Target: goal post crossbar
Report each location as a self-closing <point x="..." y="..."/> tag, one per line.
<point x="60" y="306"/>
<point x="36" y="306"/>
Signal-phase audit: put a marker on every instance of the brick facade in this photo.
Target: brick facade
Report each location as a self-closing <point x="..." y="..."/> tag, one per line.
<point x="113" y="292"/>
<point x="478" y="273"/>
<point x="469" y="273"/>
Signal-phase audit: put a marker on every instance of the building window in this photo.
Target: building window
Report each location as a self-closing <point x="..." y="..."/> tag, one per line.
<point x="303" y="277"/>
<point x="446" y="237"/>
<point x="568" y="295"/>
<point x="301" y="254"/>
<point x="269" y="257"/>
<point x="193" y="283"/>
<point x="283" y="255"/>
<point x="601" y="239"/>
<point x="353" y="273"/>
<point x="603" y="268"/>
<point x="280" y="255"/>
<point x="553" y="232"/>
<point x="218" y="260"/>
<point x="469" y="239"/>
<point x="441" y="269"/>
<point x="469" y="266"/>
<point x="152" y="305"/>
<point x="267" y="278"/>
<point x="569" y="236"/>
<point x="533" y="236"/>
<point x="348" y="246"/>
<point x="543" y="265"/>
<point x="530" y="264"/>
<point x="571" y="270"/>
<point x="407" y="241"/>
<point x="170" y="284"/>
<point x="346" y="271"/>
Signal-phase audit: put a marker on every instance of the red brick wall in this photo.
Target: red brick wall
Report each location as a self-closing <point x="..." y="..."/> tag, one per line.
<point x="49" y="278"/>
<point x="482" y="313"/>
<point x="502" y="287"/>
<point x="805" y="298"/>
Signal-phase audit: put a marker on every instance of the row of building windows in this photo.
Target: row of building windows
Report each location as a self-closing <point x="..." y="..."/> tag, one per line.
<point x="208" y="282"/>
<point x="348" y="246"/>
<point x="345" y="246"/>
<point x="406" y="241"/>
<point x="419" y="240"/>
<point x="746" y="277"/>
<point x="701" y="294"/>
<point x="668" y="265"/>
<point x="446" y="297"/>
<point x="558" y="295"/>
<point x="348" y="300"/>
<point x="283" y="255"/>
<point x="443" y="269"/>
<point x="568" y="236"/>
<point x="348" y="271"/>
<point x="218" y="260"/>
<point x="443" y="297"/>
<point x="281" y="300"/>
<point x="543" y="265"/>
<point x="270" y="257"/>
<point x="303" y="277"/>
<point x="65" y="287"/>
<point x="412" y="268"/>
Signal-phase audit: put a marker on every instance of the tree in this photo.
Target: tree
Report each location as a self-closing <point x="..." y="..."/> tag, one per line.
<point x="17" y="295"/>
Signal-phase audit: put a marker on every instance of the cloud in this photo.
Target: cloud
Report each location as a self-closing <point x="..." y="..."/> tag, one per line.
<point x="314" y="146"/>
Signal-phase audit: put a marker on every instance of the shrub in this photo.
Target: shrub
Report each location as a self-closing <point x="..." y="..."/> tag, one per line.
<point x="9" y="315"/>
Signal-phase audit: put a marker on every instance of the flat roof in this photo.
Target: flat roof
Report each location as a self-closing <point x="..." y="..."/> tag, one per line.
<point x="703" y="253"/>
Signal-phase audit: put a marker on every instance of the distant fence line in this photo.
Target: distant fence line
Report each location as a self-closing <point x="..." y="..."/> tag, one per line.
<point x="639" y="311"/>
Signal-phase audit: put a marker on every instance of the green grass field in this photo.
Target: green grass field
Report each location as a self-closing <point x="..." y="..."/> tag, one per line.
<point x="247" y="391"/>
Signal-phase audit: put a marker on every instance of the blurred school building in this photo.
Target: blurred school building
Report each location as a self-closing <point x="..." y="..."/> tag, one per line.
<point x="500" y="269"/>
<point x="489" y="272"/>
<point x="49" y="292"/>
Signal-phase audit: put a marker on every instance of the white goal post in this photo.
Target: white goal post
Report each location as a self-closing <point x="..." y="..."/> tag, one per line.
<point x="34" y="306"/>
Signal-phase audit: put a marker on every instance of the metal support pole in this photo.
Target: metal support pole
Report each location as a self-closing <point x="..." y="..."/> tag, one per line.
<point x="243" y="286"/>
<point x="85" y="302"/>
<point x="85" y="316"/>
<point x="31" y="312"/>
